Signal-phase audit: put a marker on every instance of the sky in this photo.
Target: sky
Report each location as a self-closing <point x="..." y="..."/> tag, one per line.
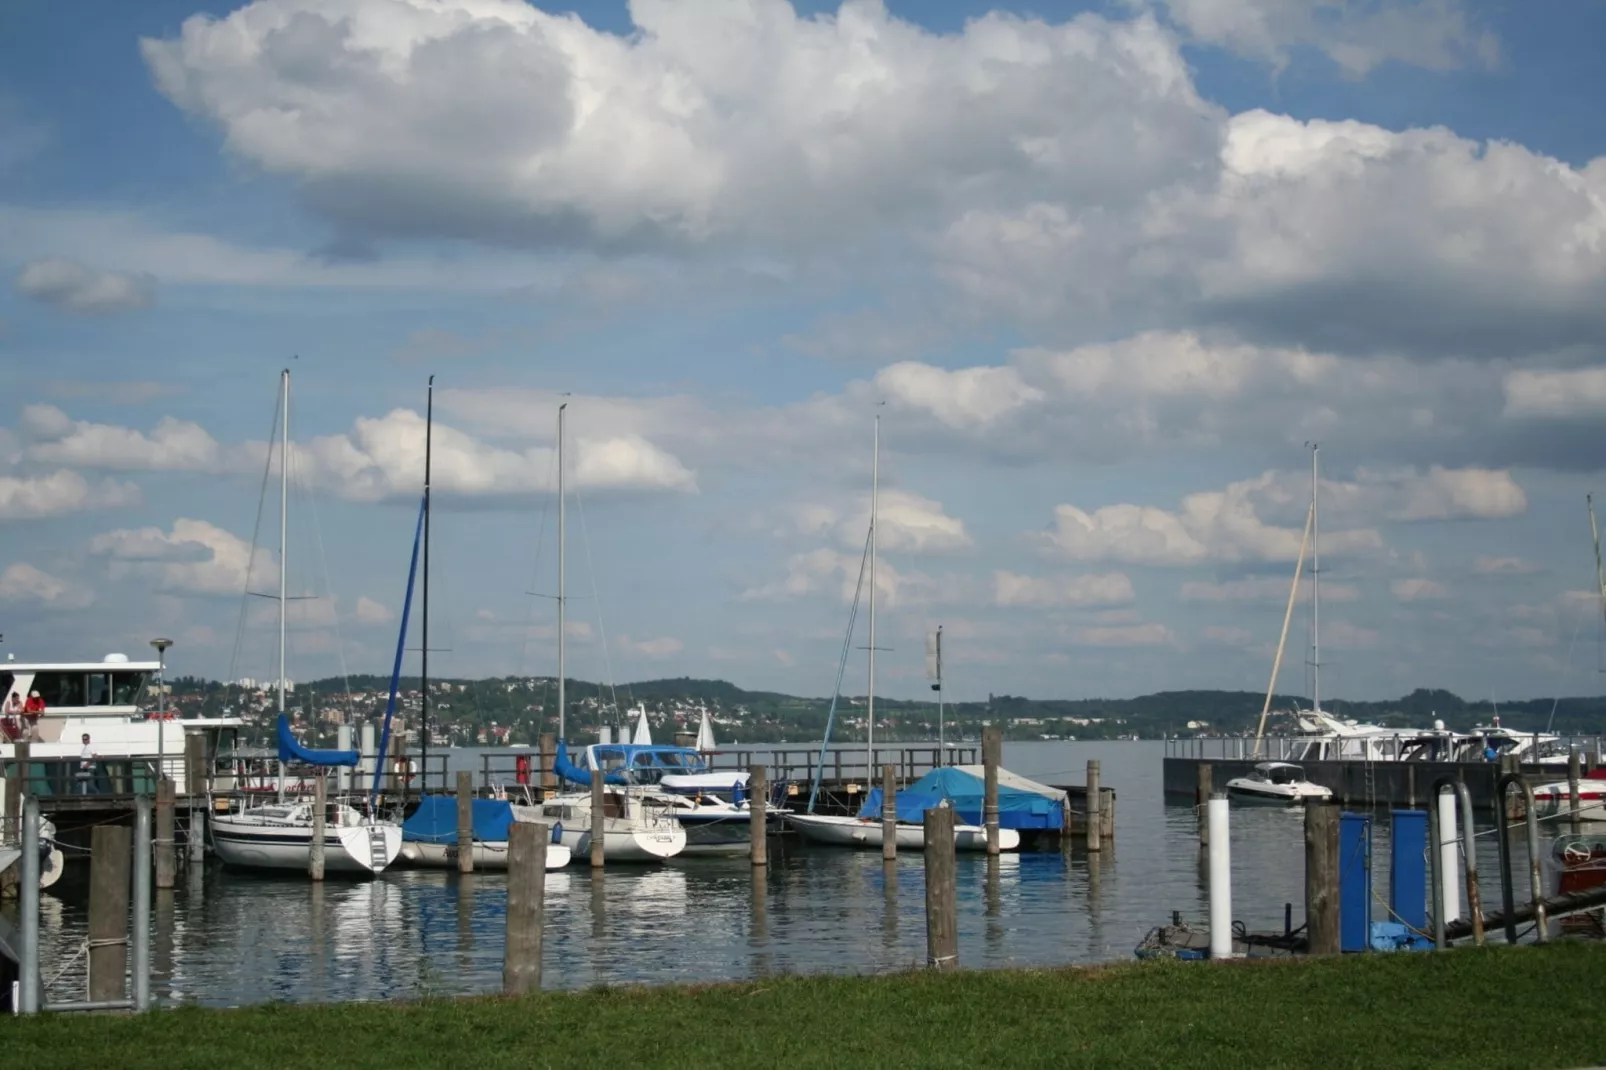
<point x="1103" y="271"/>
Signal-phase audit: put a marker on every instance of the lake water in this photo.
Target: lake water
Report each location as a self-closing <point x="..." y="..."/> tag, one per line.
<point x="227" y="938"/>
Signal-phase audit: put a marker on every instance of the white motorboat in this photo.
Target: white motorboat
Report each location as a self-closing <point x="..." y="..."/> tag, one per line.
<point x="1279" y="783"/>
<point x="867" y="833"/>
<point x="280" y="837"/>
<point x="632" y="830"/>
<point x="111" y="702"/>
<point x="713" y="826"/>
<point x="1555" y="798"/>
<point x="488" y="854"/>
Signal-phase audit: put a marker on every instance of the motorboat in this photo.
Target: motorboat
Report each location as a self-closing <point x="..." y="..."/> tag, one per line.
<point x="633" y="830"/>
<point x="867" y="833"/>
<point x="1554" y="799"/>
<point x="112" y="702"/>
<point x="675" y="769"/>
<point x="429" y="836"/>
<point x="280" y="837"/>
<point x="713" y="825"/>
<point x="1279" y="783"/>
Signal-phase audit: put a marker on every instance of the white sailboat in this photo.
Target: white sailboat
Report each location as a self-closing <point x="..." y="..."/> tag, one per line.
<point x="867" y="832"/>
<point x="632" y="830"/>
<point x="280" y="836"/>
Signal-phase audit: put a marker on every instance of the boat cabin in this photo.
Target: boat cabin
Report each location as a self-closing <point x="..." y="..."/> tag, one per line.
<point x="645" y="764"/>
<point x="115" y="687"/>
<point x="1280" y="772"/>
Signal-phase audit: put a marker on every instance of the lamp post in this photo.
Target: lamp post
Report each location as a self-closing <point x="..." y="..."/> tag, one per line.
<point x="161" y="646"/>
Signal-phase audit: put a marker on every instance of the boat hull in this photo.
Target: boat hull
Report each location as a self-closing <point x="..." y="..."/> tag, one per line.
<point x="489" y="855"/>
<point x="853" y="832"/>
<point x="629" y="844"/>
<point x="358" y="849"/>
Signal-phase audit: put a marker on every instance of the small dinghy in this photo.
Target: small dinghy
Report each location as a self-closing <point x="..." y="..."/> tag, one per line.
<point x="1277" y="783"/>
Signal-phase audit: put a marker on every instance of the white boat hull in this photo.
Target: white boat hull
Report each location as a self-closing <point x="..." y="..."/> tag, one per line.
<point x="1256" y="795"/>
<point x="629" y="844"/>
<point x="348" y="849"/>
<point x="490" y="855"/>
<point x="854" y="832"/>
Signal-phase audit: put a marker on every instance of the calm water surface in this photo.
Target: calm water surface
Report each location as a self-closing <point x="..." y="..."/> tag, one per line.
<point x="227" y="938"/>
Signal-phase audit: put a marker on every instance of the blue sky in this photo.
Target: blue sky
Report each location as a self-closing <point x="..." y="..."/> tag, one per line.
<point x="1107" y="267"/>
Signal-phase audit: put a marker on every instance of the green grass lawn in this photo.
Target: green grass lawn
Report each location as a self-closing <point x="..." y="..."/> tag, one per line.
<point x="1525" y="1007"/>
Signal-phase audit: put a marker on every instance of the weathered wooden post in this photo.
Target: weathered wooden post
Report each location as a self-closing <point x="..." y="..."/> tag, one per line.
<point x="942" y="917"/>
<point x="320" y="826"/>
<point x="1095" y="806"/>
<point x="109" y="859"/>
<point x="465" y="822"/>
<point x="549" y="757"/>
<point x="992" y="749"/>
<point x="1321" y="878"/>
<point x="758" y="797"/>
<point x="166" y="852"/>
<point x="1573" y="774"/>
<point x="1201" y="799"/>
<point x="195" y="785"/>
<point x="599" y="828"/>
<point x="1410" y="782"/>
<point x="526" y="901"/>
<point x="889" y="812"/>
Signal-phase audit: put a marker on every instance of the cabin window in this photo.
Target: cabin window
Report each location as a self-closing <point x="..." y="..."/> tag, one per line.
<point x="60" y="688"/>
<point x="670" y="758"/>
<point x="126" y="687"/>
<point x="609" y="757"/>
<point x="7" y="680"/>
<point x="100" y="689"/>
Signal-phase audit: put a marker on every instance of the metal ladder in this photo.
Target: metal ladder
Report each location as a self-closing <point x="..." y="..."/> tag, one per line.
<point x="376" y="848"/>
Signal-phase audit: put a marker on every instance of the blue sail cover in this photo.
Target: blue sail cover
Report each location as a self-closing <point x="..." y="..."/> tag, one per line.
<point x="290" y="750"/>
<point x="435" y="820"/>
<point x="1017" y="809"/>
<point x="571" y="772"/>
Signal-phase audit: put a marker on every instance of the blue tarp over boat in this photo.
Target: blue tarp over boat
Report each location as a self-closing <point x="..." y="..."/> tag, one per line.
<point x="1019" y="807"/>
<point x="435" y="820"/>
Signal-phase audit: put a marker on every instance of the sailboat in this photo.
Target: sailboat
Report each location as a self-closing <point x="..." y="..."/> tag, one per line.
<point x="279" y="836"/>
<point x="866" y="830"/>
<point x="429" y="835"/>
<point x="632" y="830"/>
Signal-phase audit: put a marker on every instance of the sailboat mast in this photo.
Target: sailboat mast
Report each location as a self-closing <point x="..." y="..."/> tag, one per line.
<point x="1594" y="532"/>
<point x="875" y="488"/>
<point x="423" y="701"/>
<point x="562" y="573"/>
<point x="1315" y="580"/>
<point x="941" y="745"/>
<point x="284" y="526"/>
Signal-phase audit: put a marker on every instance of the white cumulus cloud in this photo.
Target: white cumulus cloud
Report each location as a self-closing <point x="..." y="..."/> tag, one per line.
<point x="1052" y="592"/>
<point x="59" y="493"/>
<point x="24" y="584"/>
<point x="85" y="291"/>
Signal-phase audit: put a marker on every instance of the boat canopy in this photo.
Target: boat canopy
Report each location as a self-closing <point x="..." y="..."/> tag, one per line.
<point x="291" y="750"/>
<point x="1022" y="803"/>
<point x="628" y="763"/>
<point x="435" y="820"/>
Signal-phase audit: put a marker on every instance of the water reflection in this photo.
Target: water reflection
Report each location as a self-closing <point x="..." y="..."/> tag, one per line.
<point x="227" y="938"/>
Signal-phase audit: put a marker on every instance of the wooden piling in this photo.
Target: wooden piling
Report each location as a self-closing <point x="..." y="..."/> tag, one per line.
<point x="992" y="751"/>
<point x="758" y="797"/>
<point x="1095" y="806"/>
<point x="196" y="786"/>
<point x="889" y="812"/>
<point x="598" y="825"/>
<point x="166" y="851"/>
<point x="1321" y="878"/>
<point x="320" y="826"/>
<point x="110" y="860"/>
<point x="942" y="918"/>
<point x="1410" y="785"/>
<point x="1573" y="774"/>
<point x="1201" y="800"/>
<point x="526" y="902"/>
<point x="465" y="822"/>
<point x="549" y="757"/>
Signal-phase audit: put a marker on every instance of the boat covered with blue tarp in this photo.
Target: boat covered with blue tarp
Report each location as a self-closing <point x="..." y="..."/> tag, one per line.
<point x="435" y="820"/>
<point x="1022" y="803"/>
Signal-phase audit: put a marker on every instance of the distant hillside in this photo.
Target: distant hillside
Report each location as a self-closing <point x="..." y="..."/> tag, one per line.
<point x="519" y="708"/>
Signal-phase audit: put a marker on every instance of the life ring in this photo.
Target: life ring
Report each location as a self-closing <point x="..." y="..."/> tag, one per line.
<point x="521" y="767"/>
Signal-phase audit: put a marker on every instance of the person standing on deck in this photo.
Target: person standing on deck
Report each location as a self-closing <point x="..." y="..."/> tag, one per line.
<point x="31" y="712"/>
<point x="86" y="767"/>
<point x="11" y="717"/>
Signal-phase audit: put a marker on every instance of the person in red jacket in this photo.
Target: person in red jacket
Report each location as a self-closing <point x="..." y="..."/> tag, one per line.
<point x="31" y="712"/>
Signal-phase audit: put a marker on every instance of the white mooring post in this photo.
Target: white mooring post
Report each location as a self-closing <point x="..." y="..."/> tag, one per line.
<point x="1220" y="879"/>
<point x="1452" y="904"/>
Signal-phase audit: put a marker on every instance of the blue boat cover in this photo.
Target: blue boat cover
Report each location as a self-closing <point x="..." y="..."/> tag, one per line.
<point x="291" y="750"/>
<point x="435" y="820"/>
<point x="1017" y="809"/>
